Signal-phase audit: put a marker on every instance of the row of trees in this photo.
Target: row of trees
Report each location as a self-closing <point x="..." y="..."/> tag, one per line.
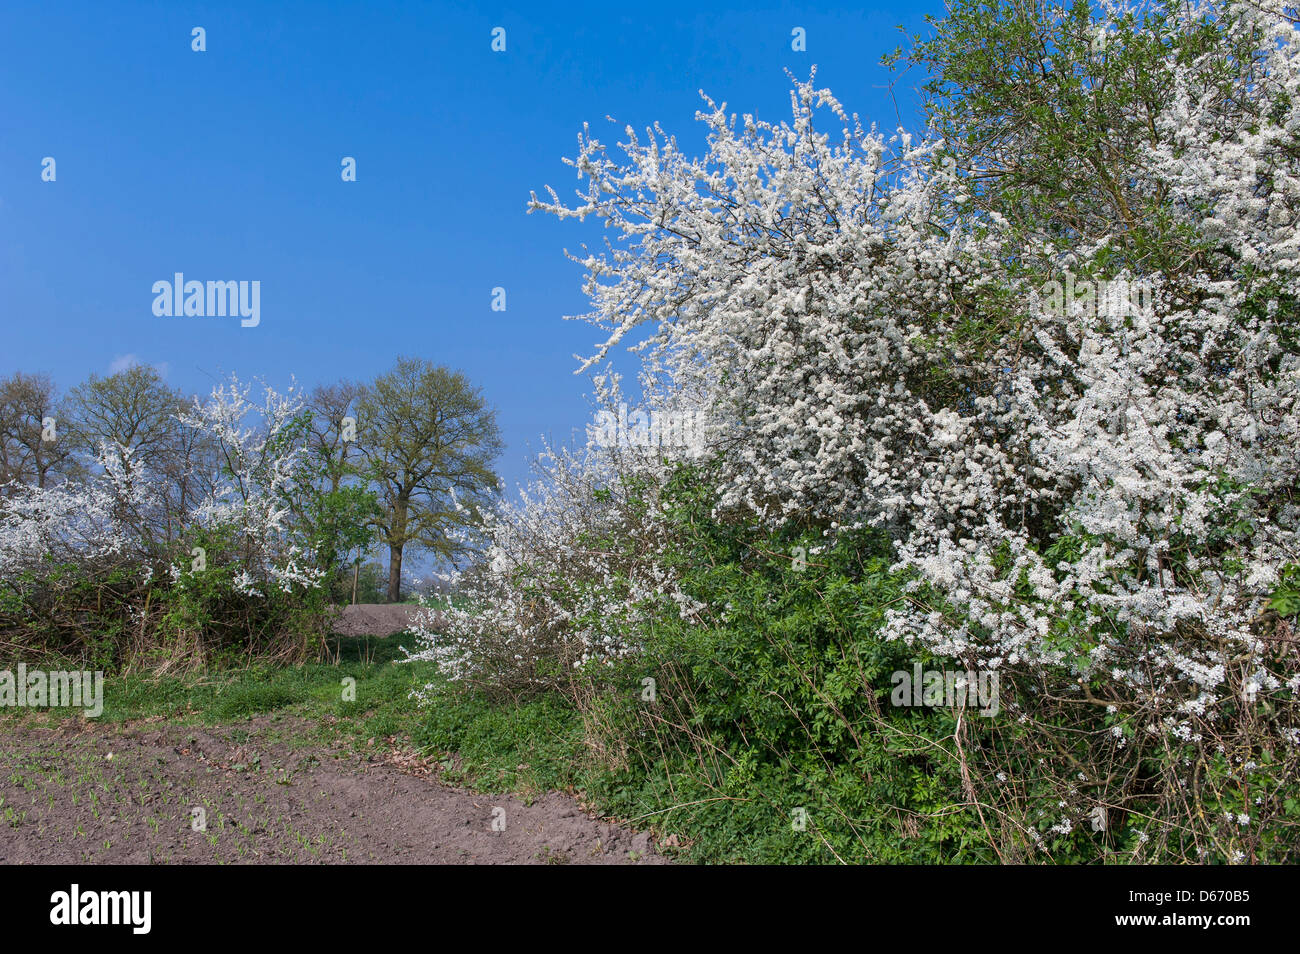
<point x="404" y="461"/>
<point x="127" y="483"/>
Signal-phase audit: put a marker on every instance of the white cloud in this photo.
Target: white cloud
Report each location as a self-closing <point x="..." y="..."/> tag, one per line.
<point x="124" y="361"/>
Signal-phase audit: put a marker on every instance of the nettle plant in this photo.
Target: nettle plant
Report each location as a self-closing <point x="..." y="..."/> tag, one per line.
<point x="1094" y="496"/>
<point x="86" y="571"/>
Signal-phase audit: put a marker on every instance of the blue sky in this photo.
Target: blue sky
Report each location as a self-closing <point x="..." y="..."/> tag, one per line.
<point x="225" y="165"/>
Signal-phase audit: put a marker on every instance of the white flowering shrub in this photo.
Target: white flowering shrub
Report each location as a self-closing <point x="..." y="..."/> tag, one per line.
<point x="69" y="522"/>
<point x="237" y="576"/>
<point x="568" y="577"/>
<point x="261" y="446"/>
<point x="1050" y="349"/>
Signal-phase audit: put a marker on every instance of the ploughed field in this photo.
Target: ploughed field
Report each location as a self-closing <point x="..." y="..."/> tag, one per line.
<point x="284" y="766"/>
<point x="152" y="793"/>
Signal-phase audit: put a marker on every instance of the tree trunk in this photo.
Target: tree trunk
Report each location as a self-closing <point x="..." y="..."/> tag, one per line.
<point x="394" y="573"/>
<point x="395" y="550"/>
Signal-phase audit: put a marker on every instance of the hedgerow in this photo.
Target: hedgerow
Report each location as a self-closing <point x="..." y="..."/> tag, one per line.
<point x="1023" y="395"/>
<point x="85" y="576"/>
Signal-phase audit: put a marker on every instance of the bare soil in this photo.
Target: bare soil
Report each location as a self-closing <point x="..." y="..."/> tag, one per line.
<point x="87" y="792"/>
<point x="375" y="619"/>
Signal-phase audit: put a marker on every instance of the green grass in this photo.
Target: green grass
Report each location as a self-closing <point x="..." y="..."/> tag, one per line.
<point x="527" y="749"/>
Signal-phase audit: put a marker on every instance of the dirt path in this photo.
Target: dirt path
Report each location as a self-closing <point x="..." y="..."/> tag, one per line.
<point x="99" y="793"/>
<point x="375" y="619"/>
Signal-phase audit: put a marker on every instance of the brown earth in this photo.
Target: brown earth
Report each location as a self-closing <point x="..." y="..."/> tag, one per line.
<point x="375" y="619"/>
<point x="99" y="793"/>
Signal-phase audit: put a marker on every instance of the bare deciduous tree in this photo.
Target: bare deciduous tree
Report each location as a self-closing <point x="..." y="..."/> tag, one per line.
<point x="31" y="451"/>
<point x="135" y="412"/>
